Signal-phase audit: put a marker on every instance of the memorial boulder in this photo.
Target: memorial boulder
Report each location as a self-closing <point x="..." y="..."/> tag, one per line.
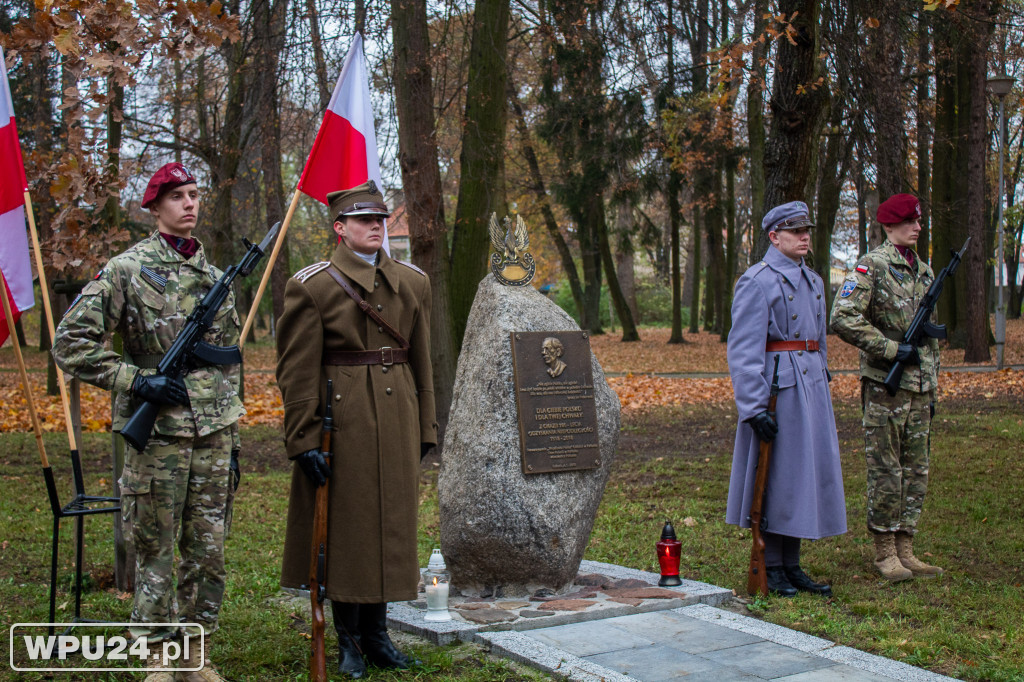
<point x="531" y="437"/>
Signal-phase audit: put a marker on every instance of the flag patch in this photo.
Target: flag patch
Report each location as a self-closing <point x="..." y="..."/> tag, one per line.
<point x="848" y="287"/>
<point x="862" y="269"/>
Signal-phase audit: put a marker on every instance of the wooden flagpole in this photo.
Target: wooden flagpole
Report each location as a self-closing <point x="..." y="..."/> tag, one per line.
<point x="45" y="292"/>
<point x="24" y="377"/>
<point x="270" y="266"/>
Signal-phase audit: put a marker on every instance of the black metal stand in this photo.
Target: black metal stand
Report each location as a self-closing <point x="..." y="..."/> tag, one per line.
<point x="79" y="507"/>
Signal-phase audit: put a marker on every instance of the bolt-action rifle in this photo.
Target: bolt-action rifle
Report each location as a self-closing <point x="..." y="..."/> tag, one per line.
<point x="757" y="573"/>
<point x="188" y="350"/>
<point x="318" y="555"/>
<point x="921" y="326"/>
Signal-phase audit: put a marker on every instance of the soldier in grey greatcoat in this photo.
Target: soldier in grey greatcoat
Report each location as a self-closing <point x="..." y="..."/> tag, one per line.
<point x="179" y="488"/>
<point x="873" y="310"/>
<point x="779" y="311"/>
<point x="383" y="410"/>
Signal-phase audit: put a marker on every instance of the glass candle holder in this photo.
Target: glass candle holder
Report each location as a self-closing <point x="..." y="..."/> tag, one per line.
<point x="436" y="584"/>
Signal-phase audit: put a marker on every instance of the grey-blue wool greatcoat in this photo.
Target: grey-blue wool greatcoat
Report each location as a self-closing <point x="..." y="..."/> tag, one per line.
<point x="778" y="299"/>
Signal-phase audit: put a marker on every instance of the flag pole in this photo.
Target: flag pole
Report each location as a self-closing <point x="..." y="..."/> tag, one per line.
<point x="270" y="266"/>
<point x="24" y="376"/>
<point x="45" y="292"/>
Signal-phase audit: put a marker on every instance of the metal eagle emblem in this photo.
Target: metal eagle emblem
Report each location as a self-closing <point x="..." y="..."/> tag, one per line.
<point x="511" y="264"/>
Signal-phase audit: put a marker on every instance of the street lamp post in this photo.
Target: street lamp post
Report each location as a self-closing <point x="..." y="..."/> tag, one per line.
<point x="1000" y="86"/>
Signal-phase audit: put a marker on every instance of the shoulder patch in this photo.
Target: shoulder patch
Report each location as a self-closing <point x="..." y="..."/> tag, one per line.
<point x="410" y="265"/>
<point x="98" y="274"/>
<point x="848" y="287"/>
<point x="862" y="269"/>
<point x="310" y="270"/>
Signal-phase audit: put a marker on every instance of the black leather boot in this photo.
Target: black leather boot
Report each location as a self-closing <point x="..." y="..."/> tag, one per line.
<point x="346" y="624"/>
<point x="377" y="646"/>
<point x="803" y="582"/>
<point x="778" y="583"/>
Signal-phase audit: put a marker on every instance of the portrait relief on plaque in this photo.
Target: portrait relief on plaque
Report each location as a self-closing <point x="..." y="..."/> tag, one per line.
<point x="557" y="414"/>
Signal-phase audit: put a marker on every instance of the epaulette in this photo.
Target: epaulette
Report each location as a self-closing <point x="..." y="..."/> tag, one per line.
<point x="410" y="265"/>
<point x="310" y="270"/>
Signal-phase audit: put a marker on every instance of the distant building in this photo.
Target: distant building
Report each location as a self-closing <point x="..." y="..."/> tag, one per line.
<point x="398" y="234"/>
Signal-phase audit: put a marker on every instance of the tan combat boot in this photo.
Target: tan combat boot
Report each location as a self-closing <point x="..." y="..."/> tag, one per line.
<point x="155" y="661"/>
<point x="886" y="561"/>
<point x="905" y="552"/>
<point x="204" y="674"/>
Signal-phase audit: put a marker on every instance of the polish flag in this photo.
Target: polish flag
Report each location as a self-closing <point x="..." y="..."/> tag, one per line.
<point x="15" y="263"/>
<point x="344" y="153"/>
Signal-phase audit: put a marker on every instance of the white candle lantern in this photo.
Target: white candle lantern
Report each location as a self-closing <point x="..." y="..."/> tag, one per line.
<point x="436" y="583"/>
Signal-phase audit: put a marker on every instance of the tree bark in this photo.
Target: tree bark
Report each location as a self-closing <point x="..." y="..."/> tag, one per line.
<point x="482" y="161"/>
<point x="755" y="118"/>
<point x="798" y="103"/>
<point x="882" y="80"/>
<point x="925" y="122"/>
<point x="421" y="181"/>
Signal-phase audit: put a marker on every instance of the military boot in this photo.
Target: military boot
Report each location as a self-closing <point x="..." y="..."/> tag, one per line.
<point x="155" y="661"/>
<point x="377" y="646"/>
<point x="905" y="552"/>
<point x="346" y="624"/>
<point x="192" y="658"/>
<point x="886" y="561"/>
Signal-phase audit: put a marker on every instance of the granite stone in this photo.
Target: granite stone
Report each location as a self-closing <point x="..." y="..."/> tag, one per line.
<point x="502" y="531"/>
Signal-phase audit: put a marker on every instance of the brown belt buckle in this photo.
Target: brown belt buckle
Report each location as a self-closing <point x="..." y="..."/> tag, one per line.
<point x="391" y="356"/>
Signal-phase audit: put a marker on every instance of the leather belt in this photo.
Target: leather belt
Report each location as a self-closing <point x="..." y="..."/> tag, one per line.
<point x="779" y="346"/>
<point x="381" y="356"/>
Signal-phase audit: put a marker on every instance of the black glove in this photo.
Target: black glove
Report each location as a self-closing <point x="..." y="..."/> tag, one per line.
<point x="236" y="473"/>
<point x="765" y="426"/>
<point x="907" y="354"/>
<point x="828" y="375"/>
<point x="424" y="449"/>
<point x="931" y="410"/>
<point x="160" y="390"/>
<point x="314" y="465"/>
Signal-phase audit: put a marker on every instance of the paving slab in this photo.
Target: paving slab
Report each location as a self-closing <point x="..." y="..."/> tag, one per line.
<point x="657" y="639"/>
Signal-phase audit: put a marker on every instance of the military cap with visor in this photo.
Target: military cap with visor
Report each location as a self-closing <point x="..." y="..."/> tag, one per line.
<point x="169" y="176"/>
<point x="898" y="208"/>
<point x="789" y="216"/>
<point x="364" y="199"/>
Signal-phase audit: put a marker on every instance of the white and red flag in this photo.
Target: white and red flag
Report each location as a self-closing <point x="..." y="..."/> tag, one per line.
<point x="15" y="263"/>
<point x="344" y="153"/>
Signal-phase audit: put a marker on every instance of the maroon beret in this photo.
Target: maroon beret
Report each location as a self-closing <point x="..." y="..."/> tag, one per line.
<point x="899" y="208"/>
<point x="167" y="178"/>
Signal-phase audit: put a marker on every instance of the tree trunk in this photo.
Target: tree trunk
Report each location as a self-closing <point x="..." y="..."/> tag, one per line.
<point x="694" y="267"/>
<point x="269" y="18"/>
<point x="798" y="103"/>
<point x="624" y="264"/>
<point x="537" y="180"/>
<point x="629" y="332"/>
<point x="319" y="63"/>
<point x="482" y="161"/>
<point x="925" y="122"/>
<point x="883" y="69"/>
<point x="755" y="118"/>
<point x="976" y="258"/>
<point x="674" y="218"/>
<point x="421" y="181"/>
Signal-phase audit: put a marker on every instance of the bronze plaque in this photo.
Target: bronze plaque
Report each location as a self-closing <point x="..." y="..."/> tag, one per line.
<point x="554" y="384"/>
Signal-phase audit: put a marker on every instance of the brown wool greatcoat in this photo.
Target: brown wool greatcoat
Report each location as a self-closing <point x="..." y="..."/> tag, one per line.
<point x="381" y="415"/>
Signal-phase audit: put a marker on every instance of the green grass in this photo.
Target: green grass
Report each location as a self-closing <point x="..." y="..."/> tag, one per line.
<point x="967" y="624"/>
<point x="673" y="464"/>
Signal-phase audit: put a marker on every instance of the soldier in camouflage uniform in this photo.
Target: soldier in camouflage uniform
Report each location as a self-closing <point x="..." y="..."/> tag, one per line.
<point x="873" y="310"/>
<point x="179" y="488"/>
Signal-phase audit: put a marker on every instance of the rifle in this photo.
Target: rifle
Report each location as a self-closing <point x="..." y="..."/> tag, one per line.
<point x="188" y="350"/>
<point x="921" y="326"/>
<point x="318" y="555"/>
<point x="757" y="573"/>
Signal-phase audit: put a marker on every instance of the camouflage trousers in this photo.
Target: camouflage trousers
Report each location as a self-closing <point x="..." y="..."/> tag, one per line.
<point x="177" y="491"/>
<point x="896" y="446"/>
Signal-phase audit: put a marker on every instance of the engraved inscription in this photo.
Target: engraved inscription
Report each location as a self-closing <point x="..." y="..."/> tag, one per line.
<point x="554" y="386"/>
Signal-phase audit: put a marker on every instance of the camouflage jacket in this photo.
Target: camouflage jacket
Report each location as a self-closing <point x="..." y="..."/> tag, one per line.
<point x="145" y="294"/>
<point x="874" y="308"/>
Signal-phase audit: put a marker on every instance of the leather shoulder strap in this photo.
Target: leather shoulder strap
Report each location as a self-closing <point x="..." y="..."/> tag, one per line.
<point x="367" y="308"/>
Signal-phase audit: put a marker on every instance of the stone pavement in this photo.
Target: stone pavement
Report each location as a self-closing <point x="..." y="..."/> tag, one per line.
<point x="613" y="636"/>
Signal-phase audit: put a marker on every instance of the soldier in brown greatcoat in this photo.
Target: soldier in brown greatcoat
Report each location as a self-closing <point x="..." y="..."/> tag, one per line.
<point x="383" y="409"/>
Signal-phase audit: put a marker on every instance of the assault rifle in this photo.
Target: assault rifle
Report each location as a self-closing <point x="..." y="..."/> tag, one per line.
<point x="318" y="555"/>
<point x="757" y="573"/>
<point x="921" y="326"/>
<point x="189" y="350"/>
